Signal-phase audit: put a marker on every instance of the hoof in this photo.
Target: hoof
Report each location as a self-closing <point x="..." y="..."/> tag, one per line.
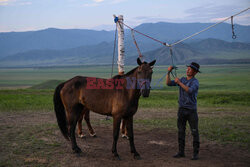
<point x="116" y="157"/>
<point x="137" y="156"/>
<point x="81" y="135"/>
<point x="77" y="150"/>
<point x="125" y="136"/>
<point x="93" y="135"/>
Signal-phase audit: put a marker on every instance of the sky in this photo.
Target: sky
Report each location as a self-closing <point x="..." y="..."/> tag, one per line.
<point x="27" y="15"/>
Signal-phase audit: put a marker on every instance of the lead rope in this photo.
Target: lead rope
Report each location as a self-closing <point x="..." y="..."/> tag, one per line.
<point x="113" y="59"/>
<point x="114" y="49"/>
<point x="138" y="50"/>
<point x="174" y="67"/>
<point x="172" y="59"/>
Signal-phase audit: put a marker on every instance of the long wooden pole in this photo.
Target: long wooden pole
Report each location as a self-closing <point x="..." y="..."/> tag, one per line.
<point x="121" y="48"/>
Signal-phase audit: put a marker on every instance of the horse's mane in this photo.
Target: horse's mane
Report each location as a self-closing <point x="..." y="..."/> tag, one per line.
<point x="125" y="75"/>
<point x="128" y="73"/>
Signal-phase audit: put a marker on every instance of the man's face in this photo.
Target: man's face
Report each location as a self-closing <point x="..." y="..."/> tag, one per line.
<point x="190" y="72"/>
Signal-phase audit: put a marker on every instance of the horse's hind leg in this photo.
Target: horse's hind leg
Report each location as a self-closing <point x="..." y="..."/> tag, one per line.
<point x="79" y="123"/>
<point x="124" y="130"/>
<point x="86" y="117"/>
<point x="130" y="130"/>
<point x="73" y="116"/>
<point x="116" y="129"/>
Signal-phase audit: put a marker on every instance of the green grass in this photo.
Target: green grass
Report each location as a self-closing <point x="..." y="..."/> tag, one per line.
<point x="165" y="99"/>
<point x="50" y="84"/>
<point x="219" y="77"/>
<point x="42" y="99"/>
<point x="27" y="146"/>
<point x="26" y="99"/>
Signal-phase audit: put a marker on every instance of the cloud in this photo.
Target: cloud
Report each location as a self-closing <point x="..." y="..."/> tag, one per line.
<point x="208" y="13"/>
<point x="98" y="1"/>
<point x="212" y="13"/>
<point x="90" y="4"/>
<point x="94" y="3"/>
<point x="3" y="2"/>
<point x="205" y="14"/>
<point x="15" y="2"/>
<point x="101" y="2"/>
<point x="117" y="1"/>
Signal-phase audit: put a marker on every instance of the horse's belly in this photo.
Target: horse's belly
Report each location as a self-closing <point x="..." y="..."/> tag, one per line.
<point x="100" y="108"/>
<point x="101" y="111"/>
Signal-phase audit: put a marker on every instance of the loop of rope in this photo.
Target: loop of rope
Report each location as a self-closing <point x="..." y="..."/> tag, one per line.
<point x="233" y="36"/>
<point x="173" y="74"/>
<point x="172" y="59"/>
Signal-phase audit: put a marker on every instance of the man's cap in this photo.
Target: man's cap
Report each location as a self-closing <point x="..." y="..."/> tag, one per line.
<point x="194" y="66"/>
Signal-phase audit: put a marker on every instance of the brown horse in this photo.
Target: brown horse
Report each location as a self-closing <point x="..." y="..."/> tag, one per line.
<point x="117" y="97"/>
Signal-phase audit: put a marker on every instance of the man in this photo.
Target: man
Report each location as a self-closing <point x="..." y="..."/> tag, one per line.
<point x="188" y="90"/>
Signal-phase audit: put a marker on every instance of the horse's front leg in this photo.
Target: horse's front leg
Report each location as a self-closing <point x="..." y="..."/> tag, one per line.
<point x="116" y="129"/>
<point x="130" y="130"/>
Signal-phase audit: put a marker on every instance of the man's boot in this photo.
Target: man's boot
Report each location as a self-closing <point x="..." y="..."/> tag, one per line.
<point x="196" y="146"/>
<point x="181" y="153"/>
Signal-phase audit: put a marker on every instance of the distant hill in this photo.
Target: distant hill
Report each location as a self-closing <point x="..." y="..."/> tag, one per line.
<point x="50" y="84"/>
<point x="175" y="31"/>
<point x="207" y="51"/>
<point x="56" y="39"/>
<point x="92" y="54"/>
<point x="61" y="39"/>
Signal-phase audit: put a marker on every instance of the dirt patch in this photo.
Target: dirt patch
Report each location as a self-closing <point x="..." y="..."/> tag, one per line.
<point x="156" y="146"/>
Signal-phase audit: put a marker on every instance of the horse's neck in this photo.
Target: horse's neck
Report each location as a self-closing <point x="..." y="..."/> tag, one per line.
<point x="134" y="93"/>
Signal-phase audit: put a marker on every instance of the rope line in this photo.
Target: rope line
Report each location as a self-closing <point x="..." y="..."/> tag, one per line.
<point x="208" y="27"/>
<point x="143" y="33"/>
<point x="113" y="59"/>
<point x="177" y="42"/>
<point x="139" y="52"/>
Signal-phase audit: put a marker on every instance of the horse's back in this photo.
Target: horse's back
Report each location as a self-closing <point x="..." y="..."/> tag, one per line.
<point x="75" y="91"/>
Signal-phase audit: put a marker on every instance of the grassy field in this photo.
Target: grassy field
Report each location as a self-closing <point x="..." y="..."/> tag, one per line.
<point x="223" y="104"/>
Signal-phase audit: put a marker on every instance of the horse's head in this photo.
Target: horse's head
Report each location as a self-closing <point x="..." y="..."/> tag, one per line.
<point x="144" y="76"/>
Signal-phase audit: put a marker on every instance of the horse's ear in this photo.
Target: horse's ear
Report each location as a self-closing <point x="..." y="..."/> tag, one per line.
<point x="139" y="61"/>
<point x="152" y="63"/>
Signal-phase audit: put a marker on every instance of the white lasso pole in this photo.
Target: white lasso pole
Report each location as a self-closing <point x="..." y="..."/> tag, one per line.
<point x="121" y="48"/>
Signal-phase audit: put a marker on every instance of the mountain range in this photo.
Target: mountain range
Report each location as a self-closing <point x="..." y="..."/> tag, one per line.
<point x="53" y="47"/>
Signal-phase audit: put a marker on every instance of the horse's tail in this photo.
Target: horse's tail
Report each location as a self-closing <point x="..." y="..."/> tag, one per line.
<point x="60" y="111"/>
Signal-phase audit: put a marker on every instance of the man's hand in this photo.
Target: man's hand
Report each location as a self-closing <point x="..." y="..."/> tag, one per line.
<point x="177" y="80"/>
<point x="170" y="68"/>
